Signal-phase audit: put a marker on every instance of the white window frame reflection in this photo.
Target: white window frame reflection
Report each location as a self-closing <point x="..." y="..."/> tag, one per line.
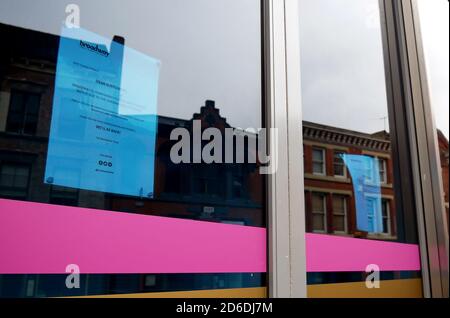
<point x="344" y="214"/>
<point x="12" y="189"/>
<point x="344" y="167"/>
<point x="382" y="167"/>
<point x="386" y="203"/>
<point x="323" y="163"/>
<point x="374" y="168"/>
<point x="323" y="213"/>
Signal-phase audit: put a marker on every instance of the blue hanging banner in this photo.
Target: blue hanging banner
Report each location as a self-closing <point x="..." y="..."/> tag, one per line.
<point x="104" y="118"/>
<point x="365" y="174"/>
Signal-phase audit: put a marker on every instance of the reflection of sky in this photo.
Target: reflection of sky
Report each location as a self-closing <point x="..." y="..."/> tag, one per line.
<point x="343" y="80"/>
<point x="206" y="49"/>
<point x="434" y="18"/>
<point x="210" y="52"/>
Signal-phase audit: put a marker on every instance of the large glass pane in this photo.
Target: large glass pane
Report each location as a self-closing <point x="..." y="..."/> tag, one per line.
<point x="100" y="104"/>
<point x="346" y="115"/>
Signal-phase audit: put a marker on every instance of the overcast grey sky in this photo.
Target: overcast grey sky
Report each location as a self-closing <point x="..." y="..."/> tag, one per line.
<point x="343" y="82"/>
<point x="211" y="50"/>
<point x="208" y="49"/>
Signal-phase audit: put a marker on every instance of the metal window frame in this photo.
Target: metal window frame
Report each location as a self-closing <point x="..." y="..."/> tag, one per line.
<point x="434" y="161"/>
<point x="414" y="146"/>
<point x="286" y="213"/>
<point x="428" y="174"/>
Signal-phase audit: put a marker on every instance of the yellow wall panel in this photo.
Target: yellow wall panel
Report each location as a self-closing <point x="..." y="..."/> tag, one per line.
<point x="401" y="288"/>
<point x="259" y="292"/>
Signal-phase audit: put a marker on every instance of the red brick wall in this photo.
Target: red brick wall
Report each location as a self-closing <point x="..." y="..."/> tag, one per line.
<point x="444" y="153"/>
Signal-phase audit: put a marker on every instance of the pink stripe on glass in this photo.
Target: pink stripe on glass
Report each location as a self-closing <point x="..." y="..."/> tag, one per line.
<point x="328" y="253"/>
<point x="44" y="239"/>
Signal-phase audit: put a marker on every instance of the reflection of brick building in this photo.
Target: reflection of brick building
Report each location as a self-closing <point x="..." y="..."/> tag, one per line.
<point x="329" y="192"/>
<point x="222" y="193"/>
<point x="219" y="193"/>
<point x="230" y="193"/>
<point x="443" y="152"/>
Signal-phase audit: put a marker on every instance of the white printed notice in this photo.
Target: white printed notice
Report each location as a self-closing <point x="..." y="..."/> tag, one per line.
<point x="104" y="119"/>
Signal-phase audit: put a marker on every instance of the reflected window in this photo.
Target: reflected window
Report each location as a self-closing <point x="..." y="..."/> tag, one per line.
<point x="339" y="165"/>
<point x="174" y="181"/>
<point x="238" y="187"/>
<point x="371" y="206"/>
<point x="319" y="161"/>
<point x="386" y="217"/>
<point x="150" y="281"/>
<point x="64" y="196"/>
<point x="14" y="180"/>
<point x="319" y="212"/>
<point x="206" y="185"/>
<point x="374" y="209"/>
<point x="23" y="112"/>
<point x="375" y="170"/>
<point x="339" y="214"/>
<point x="382" y="170"/>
